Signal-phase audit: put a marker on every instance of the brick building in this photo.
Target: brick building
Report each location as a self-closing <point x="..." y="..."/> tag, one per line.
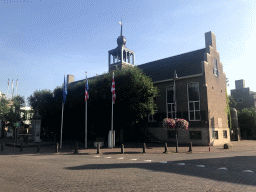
<point x="243" y="96"/>
<point x="200" y="92"/>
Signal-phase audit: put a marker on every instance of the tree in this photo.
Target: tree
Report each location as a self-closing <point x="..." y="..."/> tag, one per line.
<point x="43" y="103"/>
<point x="135" y="93"/>
<point x="232" y="102"/>
<point x="247" y="122"/>
<point x="40" y="99"/>
<point x="227" y="110"/>
<point x="4" y="107"/>
<point x="14" y="115"/>
<point x="4" y="110"/>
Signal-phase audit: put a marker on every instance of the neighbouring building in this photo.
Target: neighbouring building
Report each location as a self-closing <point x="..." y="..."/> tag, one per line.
<point x="243" y="96"/>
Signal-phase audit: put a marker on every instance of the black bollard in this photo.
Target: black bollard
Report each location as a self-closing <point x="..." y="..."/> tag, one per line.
<point x="122" y="149"/>
<point x="21" y="147"/>
<point x="2" y="146"/>
<point x="76" y="149"/>
<point x="165" y="148"/>
<point x="98" y="148"/>
<point x="144" y="147"/>
<point x="190" y="147"/>
<point x="57" y="148"/>
<point x="38" y="148"/>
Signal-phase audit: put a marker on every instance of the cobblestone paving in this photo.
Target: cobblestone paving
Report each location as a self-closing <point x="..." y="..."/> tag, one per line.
<point x="108" y="171"/>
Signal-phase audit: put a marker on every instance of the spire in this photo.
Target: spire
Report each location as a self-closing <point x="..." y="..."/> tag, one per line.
<point x="121" y="27"/>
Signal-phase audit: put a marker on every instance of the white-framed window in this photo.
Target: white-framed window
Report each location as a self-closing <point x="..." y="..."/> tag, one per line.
<point x="170" y="110"/>
<point x="215" y="67"/>
<point x="215" y="135"/>
<point x="225" y="134"/>
<point x="193" y="101"/>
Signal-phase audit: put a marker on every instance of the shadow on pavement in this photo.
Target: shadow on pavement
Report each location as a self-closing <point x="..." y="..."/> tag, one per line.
<point x="234" y="173"/>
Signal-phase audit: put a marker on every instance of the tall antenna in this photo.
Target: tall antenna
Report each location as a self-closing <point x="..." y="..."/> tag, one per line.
<point x="8" y="87"/>
<point x="16" y="85"/>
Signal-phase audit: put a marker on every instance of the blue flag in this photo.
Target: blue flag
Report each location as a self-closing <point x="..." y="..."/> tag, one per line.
<point x="65" y="91"/>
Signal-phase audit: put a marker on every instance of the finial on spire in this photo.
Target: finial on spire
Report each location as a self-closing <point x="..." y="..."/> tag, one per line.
<point x="121" y="27"/>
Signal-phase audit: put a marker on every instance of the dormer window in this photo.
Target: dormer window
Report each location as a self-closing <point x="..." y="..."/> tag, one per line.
<point x="215" y="68"/>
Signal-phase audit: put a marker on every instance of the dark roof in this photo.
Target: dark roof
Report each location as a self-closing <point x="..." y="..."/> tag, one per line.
<point x="185" y="64"/>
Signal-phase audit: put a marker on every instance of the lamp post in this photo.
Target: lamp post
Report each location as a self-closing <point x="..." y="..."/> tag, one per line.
<point x="175" y="107"/>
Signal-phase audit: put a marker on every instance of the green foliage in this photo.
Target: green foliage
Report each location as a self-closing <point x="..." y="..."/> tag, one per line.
<point x="18" y="101"/>
<point x="227" y="110"/>
<point x="14" y="114"/>
<point x="134" y="90"/>
<point x="4" y="107"/>
<point x="232" y="102"/>
<point x="247" y="121"/>
<point x="39" y="100"/>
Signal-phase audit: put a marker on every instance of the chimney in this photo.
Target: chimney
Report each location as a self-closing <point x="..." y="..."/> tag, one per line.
<point x="70" y="79"/>
<point x="210" y="39"/>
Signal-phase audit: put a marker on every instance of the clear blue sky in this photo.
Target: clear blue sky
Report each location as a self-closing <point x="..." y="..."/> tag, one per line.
<point x="40" y="40"/>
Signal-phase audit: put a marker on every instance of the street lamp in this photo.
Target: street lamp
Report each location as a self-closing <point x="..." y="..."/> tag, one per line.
<point x="175" y="107"/>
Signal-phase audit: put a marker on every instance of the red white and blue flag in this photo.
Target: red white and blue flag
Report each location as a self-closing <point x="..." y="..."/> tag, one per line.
<point x="113" y="90"/>
<point x="65" y="90"/>
<point x="86" y="90"/>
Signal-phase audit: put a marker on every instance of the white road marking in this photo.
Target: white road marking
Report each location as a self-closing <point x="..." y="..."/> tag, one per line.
<point x="96" y="156"/>
<point x="200" y="165"/>
<point x="163" y="162"/>
<point x="180" y="163"/>
<point x="133" y="159"/>
<point x="107" y="157"/>
<point x="120" y="158"/>
<point x="223" y="168"/>
<point x="148" y="160"/>
<point x="247" y="171"/>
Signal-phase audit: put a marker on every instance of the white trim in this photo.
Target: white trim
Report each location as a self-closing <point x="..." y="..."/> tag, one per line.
<point x="185" y="77"/>
<point x="172" y="104"/>
<point x="193" y="103"/>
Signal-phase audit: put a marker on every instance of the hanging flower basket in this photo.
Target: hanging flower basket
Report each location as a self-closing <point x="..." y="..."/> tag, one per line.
<point x="182" y="123"/>
<point x="169" y="123"/>
<point x="179" y="123"/>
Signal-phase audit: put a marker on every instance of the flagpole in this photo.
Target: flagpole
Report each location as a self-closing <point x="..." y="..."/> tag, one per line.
<point x="65" y="92"/>
<point x="12" y="88"/>
<point x="85" y="139"/>
<point x="61" y="125"/>
<point x="112" y="131"/>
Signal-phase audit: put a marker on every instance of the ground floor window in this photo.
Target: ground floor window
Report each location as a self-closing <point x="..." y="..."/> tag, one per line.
<point x="225" y="134"/>
<point x="215" y="135"/>
<point x="196" y="135"/>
